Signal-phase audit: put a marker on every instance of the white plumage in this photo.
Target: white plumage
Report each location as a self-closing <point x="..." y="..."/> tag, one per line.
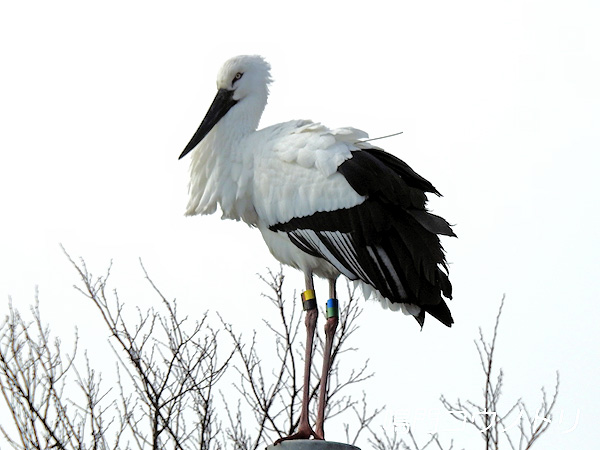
<point x="285" y="171"/>
<point x="325" y="201"/>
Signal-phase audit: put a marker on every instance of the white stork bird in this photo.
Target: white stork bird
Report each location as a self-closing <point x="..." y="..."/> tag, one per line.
<point x="326" y="202"/>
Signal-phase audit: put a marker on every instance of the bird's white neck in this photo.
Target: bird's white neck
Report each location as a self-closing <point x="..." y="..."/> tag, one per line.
<point x="222" y="166"/>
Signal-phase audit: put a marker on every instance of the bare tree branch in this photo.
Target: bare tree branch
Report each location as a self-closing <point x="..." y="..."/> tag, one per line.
<point x="492" y="425"/>
<point x="168" y="370"/>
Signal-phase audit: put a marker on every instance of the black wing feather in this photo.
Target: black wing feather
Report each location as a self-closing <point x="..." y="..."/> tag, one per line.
<point x="389" y="241"/>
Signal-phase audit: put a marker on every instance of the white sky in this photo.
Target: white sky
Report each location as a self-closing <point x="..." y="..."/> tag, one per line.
<point x="499" y="104"/>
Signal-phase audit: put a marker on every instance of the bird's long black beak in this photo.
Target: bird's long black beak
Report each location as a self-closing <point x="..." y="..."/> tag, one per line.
<point x="222" y="103"/>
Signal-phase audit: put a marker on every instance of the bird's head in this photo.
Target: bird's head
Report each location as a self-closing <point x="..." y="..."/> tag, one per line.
<point x="245" y="75"/>
<point x="242" y="79"/>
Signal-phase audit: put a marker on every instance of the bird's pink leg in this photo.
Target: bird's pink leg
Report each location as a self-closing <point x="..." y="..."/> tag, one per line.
<point x="309" y="303"/>
<point x="330" y="327"/>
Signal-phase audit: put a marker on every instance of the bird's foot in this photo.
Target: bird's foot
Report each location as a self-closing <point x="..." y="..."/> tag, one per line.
<point x="305" y="432"/>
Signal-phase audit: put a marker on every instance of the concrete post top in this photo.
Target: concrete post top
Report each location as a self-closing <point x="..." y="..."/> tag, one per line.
<point x="311" y="444"/>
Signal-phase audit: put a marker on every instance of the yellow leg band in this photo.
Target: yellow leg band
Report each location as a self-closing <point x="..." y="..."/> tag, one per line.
<point x="309" y="299"/>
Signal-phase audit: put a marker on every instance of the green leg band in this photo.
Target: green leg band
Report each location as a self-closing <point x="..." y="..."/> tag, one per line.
<point x="333" y="308"/>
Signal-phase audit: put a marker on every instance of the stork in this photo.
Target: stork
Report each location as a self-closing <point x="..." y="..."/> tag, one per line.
<point x="326" y="201"/>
